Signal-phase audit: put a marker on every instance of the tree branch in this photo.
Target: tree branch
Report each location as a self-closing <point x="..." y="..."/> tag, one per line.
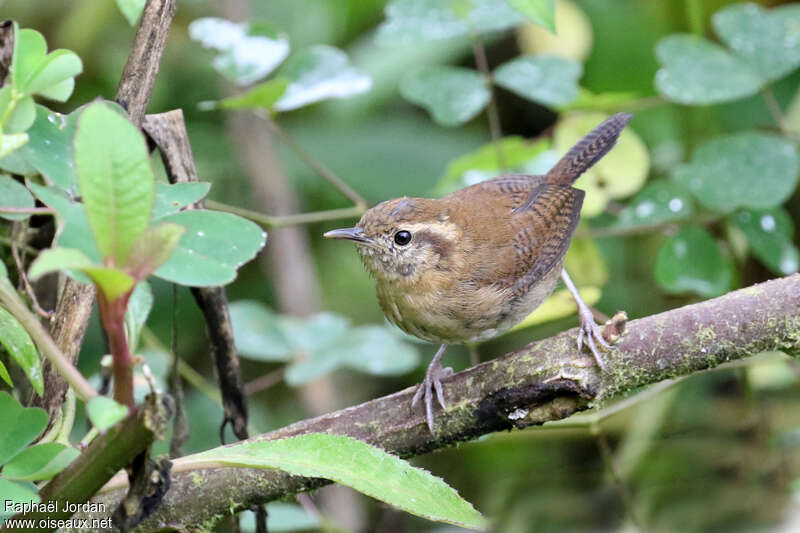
<point x="545" y="381"/>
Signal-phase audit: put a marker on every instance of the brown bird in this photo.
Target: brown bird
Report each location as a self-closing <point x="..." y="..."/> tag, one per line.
<point x="471" y="265"/>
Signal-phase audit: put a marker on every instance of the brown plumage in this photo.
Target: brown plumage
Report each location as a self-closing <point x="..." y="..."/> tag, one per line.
<point x="473" y="264"/>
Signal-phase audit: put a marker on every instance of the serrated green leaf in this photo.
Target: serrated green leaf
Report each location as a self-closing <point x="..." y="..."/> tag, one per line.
<point x="21" y="349"/>
<point x="131" y="10"/>
<point x="39" y="462"/>
<point x="214" y="246"/>
<point x="319" y="73"/>
<point x="153" y="248"/>
<point x="248" y="51"/>
<point x="691" y="261"/>
<point x="262" y="96"/>
<point x="411" y="21"/>
<point x="116" y="180"/>
<point x="545" y="79"/>
<point x="768" y="40"/>
<point x="137" y="311"/>
<point x="73" y="225"/>
<point x="695" y="71"/>
<point x="747" y="169"/>
<point x="542" y="12"/>
<point x="769" y="235"/>
<point x="14" y="194"/>
<point x="259" y="333"/>
<point x="451" y="95"/>
<point x="356" y="464"/>
<point x="658" y="202"/>
<point x="21" y="425"/>
<point x="11" y="142"/>
<point x="4" y="375"/>
<point x="105" y="412"/>
<point x="172" y="198"/>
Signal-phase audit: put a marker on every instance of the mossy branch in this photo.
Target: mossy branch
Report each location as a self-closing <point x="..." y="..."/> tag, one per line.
<point x="545" y="381"/>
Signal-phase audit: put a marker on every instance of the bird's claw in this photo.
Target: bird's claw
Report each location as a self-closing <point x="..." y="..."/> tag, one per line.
<point x="590" y="332"/>
<point x="432" y="383"/>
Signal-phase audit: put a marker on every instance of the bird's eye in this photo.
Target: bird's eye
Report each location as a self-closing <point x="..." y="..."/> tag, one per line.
<point x="402" y="237"/>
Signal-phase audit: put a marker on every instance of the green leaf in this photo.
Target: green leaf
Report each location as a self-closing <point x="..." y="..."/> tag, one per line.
<point x="4" y="375"/>
<point x="695" y="71"/>
<point x="22" y="116"/>
<point x="105" y="412"/>
<point x="248" y="51"/>
<point x="452" y="95"/>
<point x="36" y="71"/>
<point x="747" y="169"/>
<point x="548" y="80"/>
<point x="172" y="198"/>
<point x="484" y="162"/>
<point x="14" y="194"/>
<point x="620" y="173"/>
<point x="153" y="248"/>
<point x="214" y="246"/>
<point x="11" y="142"/>
<point x="691" y="261"/>
<point x="769" y="235"/>
<point x="116" y="179"/>
<point x="374" y="350"/>
<point x="316" y="332"/>
<point x="411" y="21"/>
<point x="16" y="493"/>
<point x="20" y="347"/>
<point x="262" y="96"/>
<point x="112" y="282"/>
<point x="50" y="149"/>
<point x="131" y="10"/>
<point x="542" y="12"/>
<point x="259" y="333"/>
<point x="356" y="464"/>
<point x="319" y="73"/>
<point x="21" y="425"/>
<point x="768" y="40"/>
<point x="39" y="462"/>
<point x="139" y="306"/>
<point x="658" y="202"/>
<point x="73" y="225"/>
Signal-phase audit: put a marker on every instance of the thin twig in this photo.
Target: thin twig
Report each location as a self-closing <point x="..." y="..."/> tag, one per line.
<point x="46" y="345"/>
<point x="7" y="210"/>
<point x="264" y="382"/>
<point x="312" y="161"/>
<point x="775" y="110"/>
<point x="623" y="231"/>
<point x="494" y="116"/>
<point x="271" y="222"/>
<point x="20" y="264"/>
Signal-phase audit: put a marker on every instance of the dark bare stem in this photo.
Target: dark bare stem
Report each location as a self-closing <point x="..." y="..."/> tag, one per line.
<point x="546" y="381"/>
<point x="112" y="314"/>
<point x="271" y="222"/>
<point x="16" y="236"/>
<point x="494" y="116"/>
<point x="318" y="166"/>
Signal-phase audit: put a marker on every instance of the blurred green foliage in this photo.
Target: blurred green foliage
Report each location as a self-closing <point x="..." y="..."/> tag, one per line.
<point x="713" y="208"/>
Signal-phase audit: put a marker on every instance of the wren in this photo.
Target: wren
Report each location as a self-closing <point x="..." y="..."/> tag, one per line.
<point x="471" y="265"/>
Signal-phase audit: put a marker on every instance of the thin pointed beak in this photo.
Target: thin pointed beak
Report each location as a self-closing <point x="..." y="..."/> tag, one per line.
<point x="349" y="234"/>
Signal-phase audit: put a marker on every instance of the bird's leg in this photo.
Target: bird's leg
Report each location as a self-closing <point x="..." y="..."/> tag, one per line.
<point x="432" y="382"/>
<point x="589" y="329"/>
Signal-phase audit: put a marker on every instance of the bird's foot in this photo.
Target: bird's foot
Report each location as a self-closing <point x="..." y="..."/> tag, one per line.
<point x="431" y="383"/>
<point x="590" y="332"/>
